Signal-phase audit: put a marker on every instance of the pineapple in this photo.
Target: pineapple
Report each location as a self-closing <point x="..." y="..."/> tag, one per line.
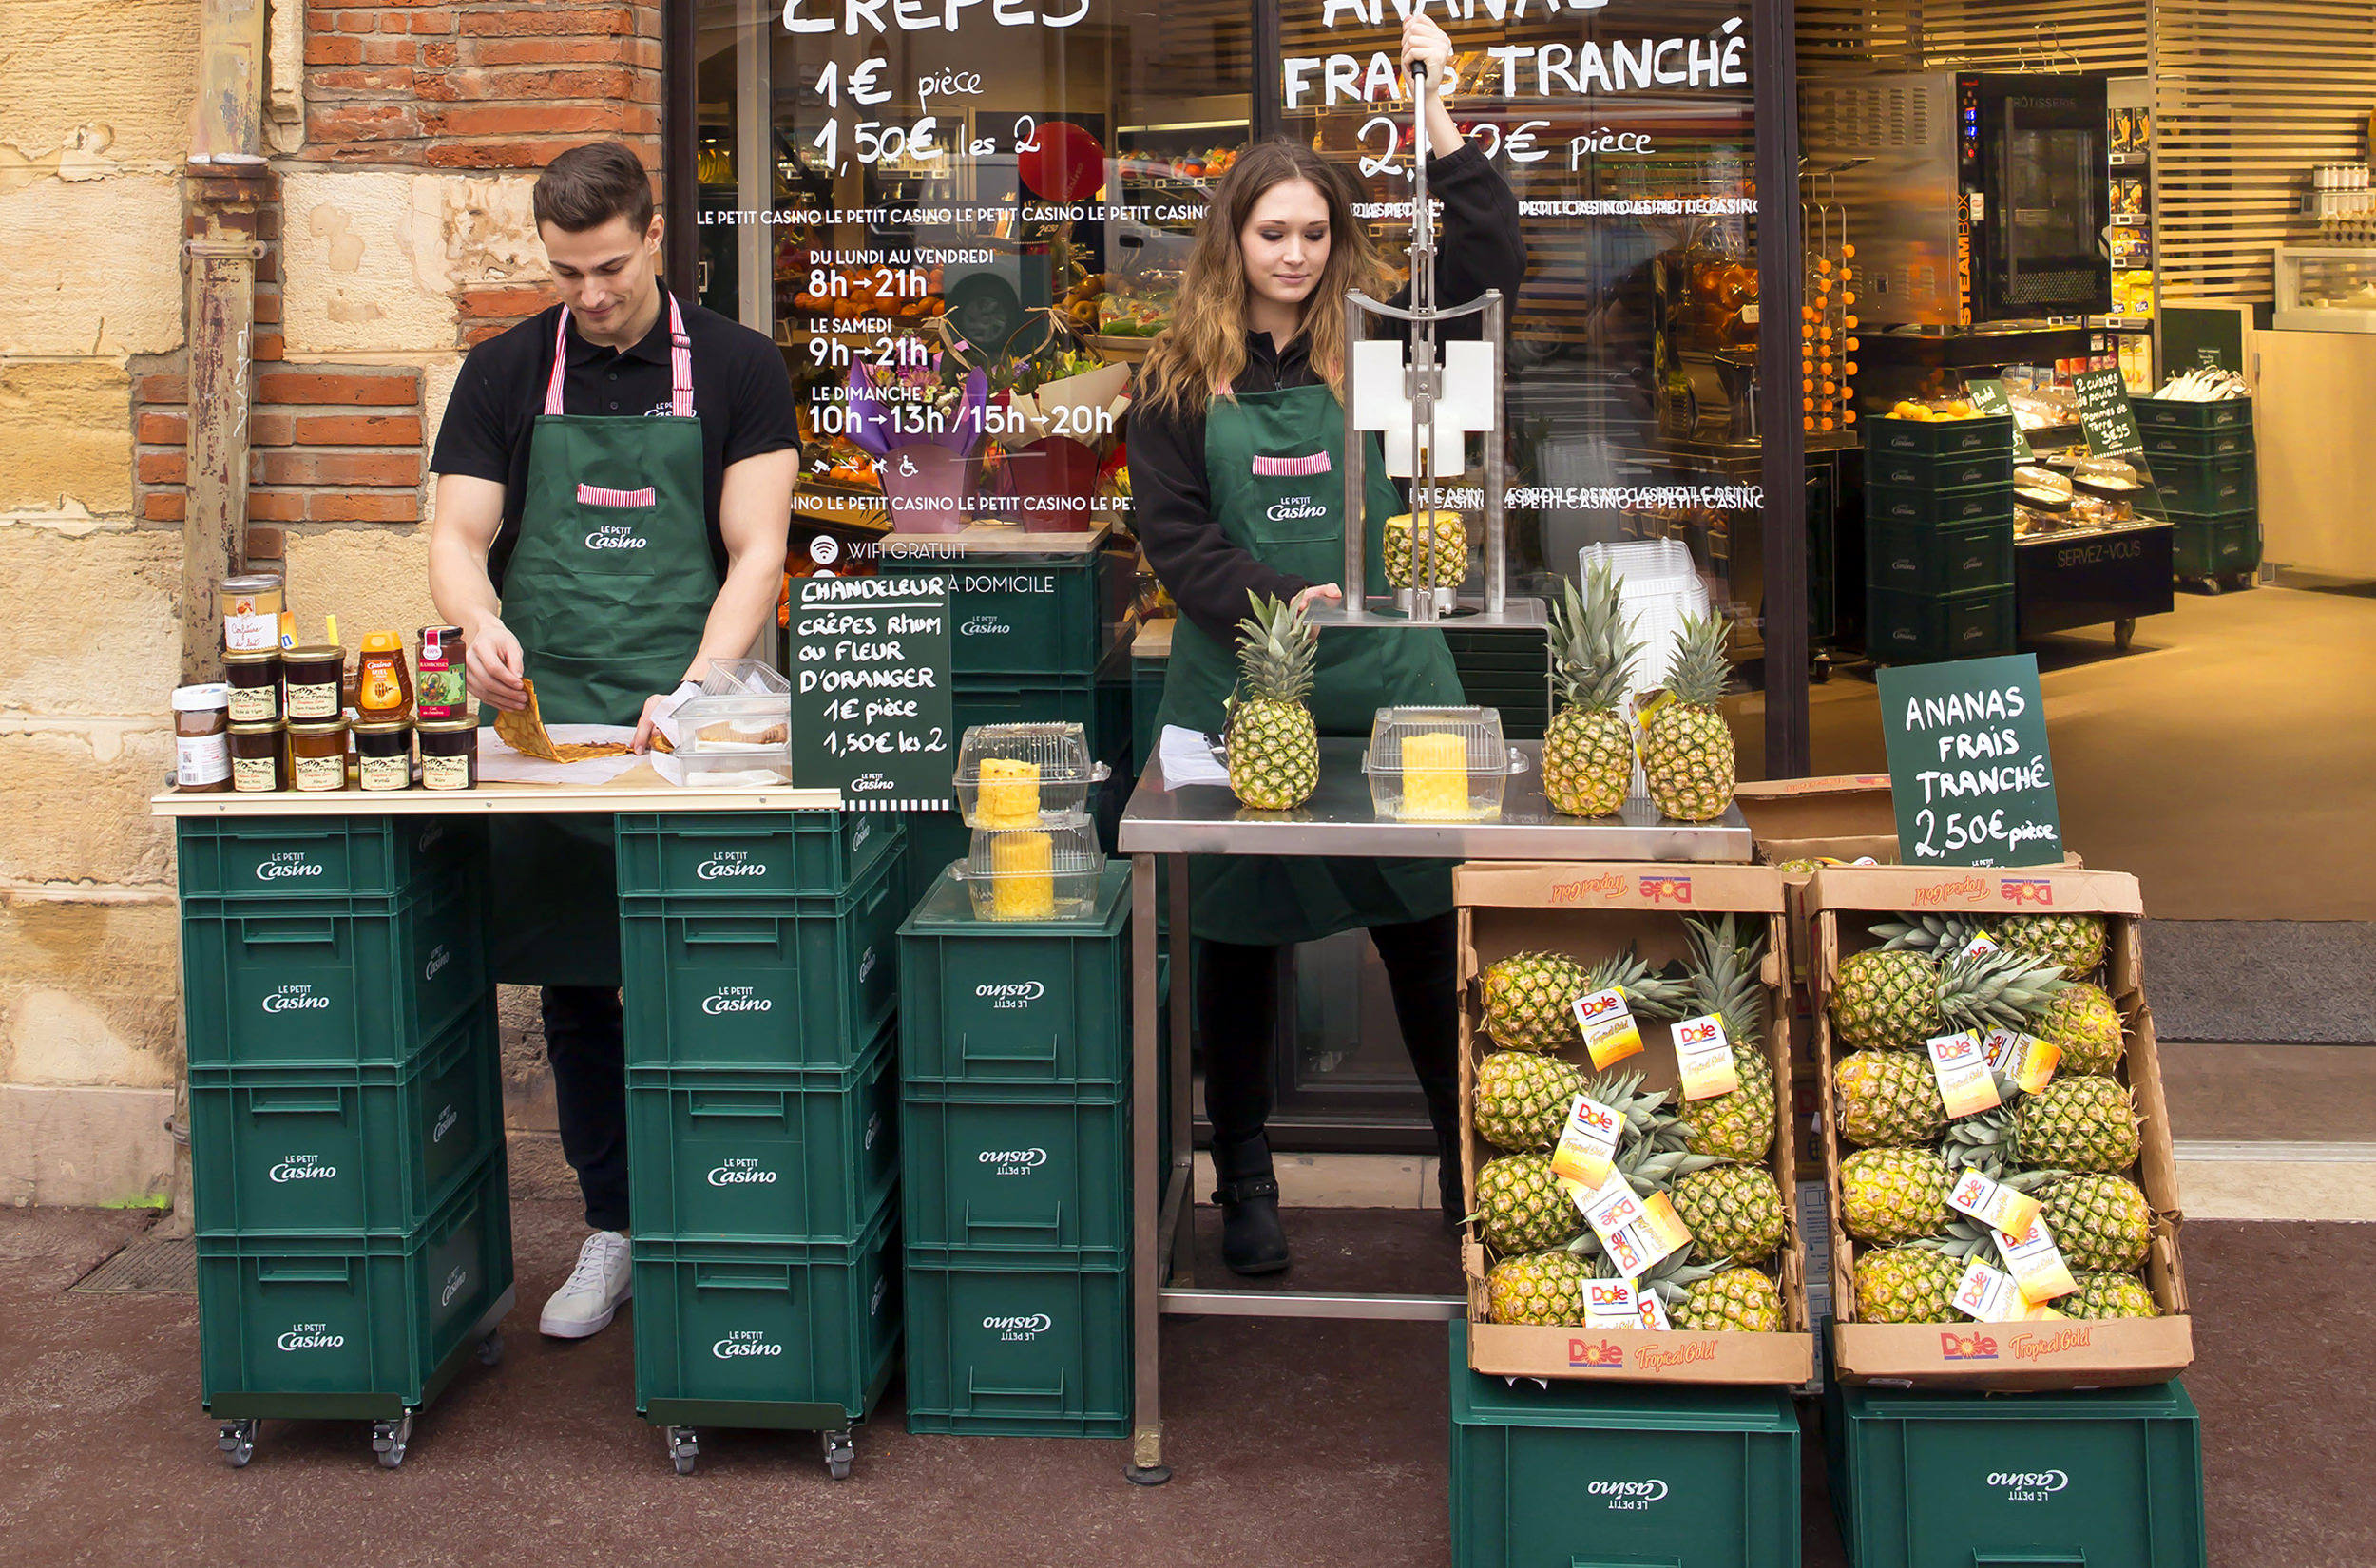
<point x="2099" y="1221"/>
<point x="1893" y="1194"/>
<point x="1720" y="976"/>
<point x="1409" y="561"/>
<point x="1023" y="877"/>
<point x="1435" y="778"/>
<point x="1907" y="1285"/>
<point x="2073" y="941"/>
<point x="1732" y="1301"/>
<point x="1528" y="996"/>
<point x="2085" y="1024"/>
<point x="1523" y="1097"/>
<point x="1888" y="1096"/>
<point x="2109" y="1295"/>
<point x="1537" y="1287"/>
<point x="1008" y="795"/>
<point x="1735" y="1210"/>
<point x="2078" y="1124"/>
<point x="1686" y="746"/>
<point x="1886" y="999"/>
<point x="1522" y="1208"/>
<point x="1588" y="749"/>
<point x="1273" y="748"/>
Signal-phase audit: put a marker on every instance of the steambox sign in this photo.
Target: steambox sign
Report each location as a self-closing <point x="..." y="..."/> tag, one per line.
<point x="1968" y="763"/>
<point x="869" y="692"/>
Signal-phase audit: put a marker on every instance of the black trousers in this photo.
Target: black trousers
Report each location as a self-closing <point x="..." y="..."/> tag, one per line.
<point x="1237" y="1008"/>
<point x="586" y="1040"/>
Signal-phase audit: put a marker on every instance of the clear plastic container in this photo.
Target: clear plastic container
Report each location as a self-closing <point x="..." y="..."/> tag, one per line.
<point x="734" y="739"/>
<point x="1033" y="874"/>
<point x="744" y="677"/>
<point x="1025" y="776"/>
<point x="1439" y="764"/>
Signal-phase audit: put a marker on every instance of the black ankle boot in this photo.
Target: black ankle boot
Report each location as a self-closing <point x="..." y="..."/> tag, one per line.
<point x="1245" y="1187"/>
<point x="1448" y="1188"/>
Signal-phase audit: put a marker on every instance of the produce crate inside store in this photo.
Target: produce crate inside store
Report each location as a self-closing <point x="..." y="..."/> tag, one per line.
<point x="1939" y="548"/>
<point x="2206" y="467"/>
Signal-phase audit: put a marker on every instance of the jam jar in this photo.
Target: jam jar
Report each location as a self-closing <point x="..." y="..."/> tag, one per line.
<point x="439" y="689"/>
<point x="260" y="757"/>
<point x="318" y="755"/>
<point x="383" y="754"/>
<point x="314" y="675"/>
<point x="250" y="606"/>
<point x="202" y="746"/>
<point x="254" y="678"/>
<point x="450" y="753"/>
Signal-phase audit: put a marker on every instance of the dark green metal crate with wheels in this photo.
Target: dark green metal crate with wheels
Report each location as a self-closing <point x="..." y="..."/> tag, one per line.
<point x="1600" y="1475"/>
<point x="243" y="858"/>
<point x="1938" y="508"/>
<point x="1973" y="558"/>
<point x="2214" y="547"/>
<point x="2109" y="1478"/>
<point x="761" y="982"/>
<point x="330" y="982"/>
<point x="2169" y="413"/>
<point x="1938" y="437"/>
<point x="2208" y="485"/>
<point x="353" y="1328"/>
<point x="760" y="1154"/>
<point x="997" y="1351"/>
<point x="1030" y="1172"/>
<point x="1032" y="614"/>
<point x="751" y="854"/>
<point x="344" y="1151"/>
<point x="1907" y="628"/>
<point x="1016" y="1002"/>
<point x="1929" y="471"/>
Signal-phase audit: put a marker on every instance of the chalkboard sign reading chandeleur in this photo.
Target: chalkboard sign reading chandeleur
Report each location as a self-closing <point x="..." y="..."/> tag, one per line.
<point x="1968" y="763"/>
<point x="869" y="692"/>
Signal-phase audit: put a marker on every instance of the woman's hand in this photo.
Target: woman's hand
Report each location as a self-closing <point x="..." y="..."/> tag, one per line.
<point x="1425" y="44"/>
<point x="1329" y="591"/>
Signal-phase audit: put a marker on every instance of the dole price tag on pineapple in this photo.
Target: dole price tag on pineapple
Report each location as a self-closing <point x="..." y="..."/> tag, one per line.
<point x="1992" y="1203"/>
<point x="1989" y="1295"/>
<point x="2036" y="1263"/>
<point x="1653" y="1311"/>
<point x="2026" y="1060"/>
<point x="1961" y="1064"/>
<point x="1587" y="1147"/>
<point x="1608" y="1028"/>
<point x="1703" y="1056"/>
<point x="1636" y="1232"/>
<point x="1981" y="946"/>
<point x="1609" y="1304"/>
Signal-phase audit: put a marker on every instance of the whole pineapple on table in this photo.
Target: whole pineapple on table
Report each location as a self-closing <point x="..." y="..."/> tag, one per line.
<point x="1272" y="746"/>
<point x="1588" y="747"/>
<point x="1686" y="746"/>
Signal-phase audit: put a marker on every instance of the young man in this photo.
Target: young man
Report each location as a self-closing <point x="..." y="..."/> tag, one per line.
<point x="614" y="492"/>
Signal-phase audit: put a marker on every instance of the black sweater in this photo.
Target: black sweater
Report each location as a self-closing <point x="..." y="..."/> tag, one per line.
<point x="1479" y="248"/>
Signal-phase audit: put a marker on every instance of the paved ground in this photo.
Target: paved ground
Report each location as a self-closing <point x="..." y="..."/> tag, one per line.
<point x="1296" y="1444"/>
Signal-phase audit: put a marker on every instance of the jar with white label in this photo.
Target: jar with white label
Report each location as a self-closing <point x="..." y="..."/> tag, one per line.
<point x="250" y="606"/>
<point x="260" y="757"/>
<point x="201" y="738"/>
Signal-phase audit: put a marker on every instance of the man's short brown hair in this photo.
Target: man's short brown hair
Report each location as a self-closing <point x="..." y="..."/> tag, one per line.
<point x="586" y="188"/>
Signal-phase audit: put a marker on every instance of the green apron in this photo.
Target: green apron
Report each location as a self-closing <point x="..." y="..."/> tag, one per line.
<point x="1277" y="501"/>
<point x="609" y="589"/>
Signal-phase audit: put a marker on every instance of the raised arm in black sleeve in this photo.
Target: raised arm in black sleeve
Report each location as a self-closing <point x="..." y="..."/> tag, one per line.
<point x="1172" y="512"/>
<point x="1479" y="246"/>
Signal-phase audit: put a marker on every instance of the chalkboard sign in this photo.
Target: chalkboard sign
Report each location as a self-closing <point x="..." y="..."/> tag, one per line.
<point x="869" y="692"/>
<point x="1989" y="397"/>
<point x="1968" y="764"/>
<point x="2105" y="414"/>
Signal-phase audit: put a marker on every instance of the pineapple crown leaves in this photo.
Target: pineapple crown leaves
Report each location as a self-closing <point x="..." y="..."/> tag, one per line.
<point x="1276" y="648"/>
<point x="1927" y="933"/>
<point x="1722" y="976"/>
<point x="1699" y="668"/>
<point x="1648" y="993"/>
<point x="2000" y="988"/>
<point x="1592" y="643"/>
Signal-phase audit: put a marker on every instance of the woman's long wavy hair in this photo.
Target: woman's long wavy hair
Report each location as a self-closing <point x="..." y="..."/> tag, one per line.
<point x="1203" y="351"/>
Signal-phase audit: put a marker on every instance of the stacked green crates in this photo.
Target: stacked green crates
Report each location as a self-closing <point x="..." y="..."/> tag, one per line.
<point x="760" y="993"/>
<point x="1015" y="1047"/>
<point x="349" y="1192"/>
<point x="1937" y="539"/>
<point x="2204" y="463"/>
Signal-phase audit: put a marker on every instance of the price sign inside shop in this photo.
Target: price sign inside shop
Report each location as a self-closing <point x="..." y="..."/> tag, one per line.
<point x="2105" y="414"/>
<point x="1968" y="763"/>
<point x="1989" y="396"/>
<point x="869" y="691"/>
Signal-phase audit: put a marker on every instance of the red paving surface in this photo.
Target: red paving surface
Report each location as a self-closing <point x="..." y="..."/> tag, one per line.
<point x="1294" y="1442"/>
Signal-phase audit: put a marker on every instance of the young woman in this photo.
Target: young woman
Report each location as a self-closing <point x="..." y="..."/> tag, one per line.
<point x="1253" y="368"/>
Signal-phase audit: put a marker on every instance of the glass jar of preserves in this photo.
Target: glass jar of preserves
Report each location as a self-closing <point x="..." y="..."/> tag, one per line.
<point x="260" y="757"/>
<point x="254" y="678"/>
<point x="383" y="754"/>
<point x="250" y="606"/>
<point x="450" y="754"/>
<point x="313" y="675"/>
<point x="383" y="687"/>
<point x="318" y="757"/>
<point x="202" y="743"/>
<point x="441" y="690"/>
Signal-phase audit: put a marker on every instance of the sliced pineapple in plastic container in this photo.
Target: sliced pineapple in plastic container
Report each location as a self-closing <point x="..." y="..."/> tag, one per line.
<point x="1439" y="764"/>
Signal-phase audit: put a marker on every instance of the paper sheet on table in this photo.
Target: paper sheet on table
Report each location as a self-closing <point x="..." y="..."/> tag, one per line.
<point x="1188" y="759"/>
<point x="499" y="764"/>
<point x="713" y="772"/>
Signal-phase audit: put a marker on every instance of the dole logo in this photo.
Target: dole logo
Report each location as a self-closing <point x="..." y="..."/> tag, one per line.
<point x="1601" y="1005"/>
<point x="1659" y="888"/>
<point x="1608" y="1294"/>
<point x="1967" y="1346"/>
<point x="2026" y="889"/>
<point x="1593" y="1117"/>
<point x="1609" y="886"/>
<point x="1697" y="1032"/>
<point x="1595" y="1355"/>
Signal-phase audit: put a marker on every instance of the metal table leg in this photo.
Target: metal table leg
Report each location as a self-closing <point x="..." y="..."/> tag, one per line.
<point x="1179" y="1192"/>
<point x="1147" y="1189"/>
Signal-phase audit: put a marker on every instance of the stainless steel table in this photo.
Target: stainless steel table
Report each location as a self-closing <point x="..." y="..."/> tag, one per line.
<point x="1206" y="819"/>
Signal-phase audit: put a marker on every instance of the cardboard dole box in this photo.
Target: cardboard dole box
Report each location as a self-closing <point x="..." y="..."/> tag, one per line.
<point x="1588" y="911"/>
<point x="1845" y="817"/>
<point x="2020" y="1356"/>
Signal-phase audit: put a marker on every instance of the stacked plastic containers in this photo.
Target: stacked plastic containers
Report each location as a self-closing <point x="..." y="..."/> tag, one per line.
<point x="1015" y="1057"/>
<point x="761" y="994"/>
<point x="346" y="1118"/>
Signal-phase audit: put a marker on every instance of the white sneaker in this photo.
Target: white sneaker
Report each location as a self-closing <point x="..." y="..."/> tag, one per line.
<point x="589" y="1298"/>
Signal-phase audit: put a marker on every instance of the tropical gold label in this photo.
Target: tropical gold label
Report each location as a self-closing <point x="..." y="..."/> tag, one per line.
<point x="316" y="702"/>
<point x="445" y="772"/>
<point x="2036" y="1263"/>
<point x="321" y="773"/>
<point x="254" y="704"/>
<point x="1961" y="1062"/>
<point x="2028" y="1060"/>
<point x="1587" y="1143"/>
<point x="256" y="774"/>
<point x="1636" y="1232"/>
<point x="1992" y="1203"/>
<point x="1608" y="1028"/>
<point x="385" y="772"/>
<point x="1703" y="1056"/>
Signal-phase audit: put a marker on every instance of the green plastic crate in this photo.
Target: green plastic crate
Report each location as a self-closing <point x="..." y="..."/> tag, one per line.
<point x="1032" y="614"/>
<point x="1931" y="471"/>
<point x="1030" y="1174"/>
<point x="344" y="1151"/>
<point x="1598" y="1475"/>
<point x="1001" y="1351"/>
<point x="760" y="981"/>
<point x="751" y="854"/>
<point x="1016" y="1002"/>
<point x="1915" y="559"/>
<point x="2109" y="1478"/>
<point x="1938" y="437"/>
<point x="2222" y="486"/>
<point x="1508" y="672"/>
<point x="2223" y="440"/>
<point x="764" y="1155"/>
<point x="2159" y="413"/>
<point x="332" y="982"/>
<point x="1098" y="701"/>
<point x="755" y="1333"/>
<point x="1907" y="628"/>
<point x="275" y="857"/>
<point x="353" y="1328"/>
<point x="1939" y="509"/>
<point x="2216" y="546"/>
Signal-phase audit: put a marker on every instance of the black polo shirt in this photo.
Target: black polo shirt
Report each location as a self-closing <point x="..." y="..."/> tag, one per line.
<point x="742" y="394"/>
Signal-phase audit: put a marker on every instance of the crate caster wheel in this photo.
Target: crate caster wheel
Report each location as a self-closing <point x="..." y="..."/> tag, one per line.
<point x="839" y="1452"/>
<point x="2237" y="582"/>
<point x="238" y="1443"/>
<point x="389" y="1439"/>
<point x="684" y="1449"/>
<point x="2124" y="633"/>
<point x="490" y="1350"/>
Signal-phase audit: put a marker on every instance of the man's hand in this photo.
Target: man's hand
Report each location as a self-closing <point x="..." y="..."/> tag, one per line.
<point x="497" y="674"/>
